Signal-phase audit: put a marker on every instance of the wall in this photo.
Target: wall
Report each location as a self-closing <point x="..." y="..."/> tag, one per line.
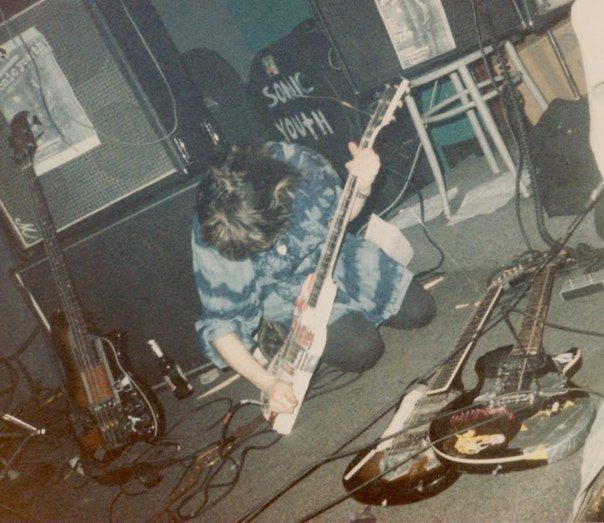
<point x="205" y="23"/>
<point x="236" y="29"/>
<point x="264" y="21"/>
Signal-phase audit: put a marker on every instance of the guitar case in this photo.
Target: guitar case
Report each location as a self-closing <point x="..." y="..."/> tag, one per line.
<point x="298" y="79"/>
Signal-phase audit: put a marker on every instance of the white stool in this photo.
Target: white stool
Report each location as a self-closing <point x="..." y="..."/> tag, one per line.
<point x="471" y="100"/>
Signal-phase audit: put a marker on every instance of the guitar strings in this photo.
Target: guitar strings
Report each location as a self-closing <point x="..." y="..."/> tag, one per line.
<point x="59" y="267"/>
<point x="426" y="447"/>
<point x="544" y="296"/>
<point x="460" y="346"/>
<point x="558" y="326"/>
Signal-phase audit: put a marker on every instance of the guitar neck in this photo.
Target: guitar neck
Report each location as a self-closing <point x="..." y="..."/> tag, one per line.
<point x="531" y="331"/>
<point x="69" y="301"/>
<point x="341" y="218"/>
<point x="446" y="373"/>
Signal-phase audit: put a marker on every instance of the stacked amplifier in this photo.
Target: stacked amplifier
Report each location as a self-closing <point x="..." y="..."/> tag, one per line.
<point x="382" y="39"/>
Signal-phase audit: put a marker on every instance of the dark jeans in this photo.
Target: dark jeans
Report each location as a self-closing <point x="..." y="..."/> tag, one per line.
<point x="354" y="344"/>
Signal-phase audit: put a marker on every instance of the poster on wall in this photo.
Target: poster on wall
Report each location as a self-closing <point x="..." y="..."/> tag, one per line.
<point x="418" y="29"/>
<point x="31" y="80"/>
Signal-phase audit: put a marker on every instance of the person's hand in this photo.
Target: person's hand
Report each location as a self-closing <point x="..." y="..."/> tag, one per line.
<point x="281" y="397"/>
<point x="365" y="165"/>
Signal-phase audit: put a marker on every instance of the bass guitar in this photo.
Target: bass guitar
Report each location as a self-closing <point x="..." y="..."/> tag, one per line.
<point x="523" y="412"/>
<point x="298" y="357"/>
<point x="112" y="409"/>
<point x="403" y="468"/>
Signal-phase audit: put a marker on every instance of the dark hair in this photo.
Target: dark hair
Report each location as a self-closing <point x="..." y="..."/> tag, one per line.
<point x="244" y="201"/>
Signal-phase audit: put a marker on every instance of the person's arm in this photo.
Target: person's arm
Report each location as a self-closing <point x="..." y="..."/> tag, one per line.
<point x="231" y="311"/>
<point x="235" y="354"/>
<point x="365" y="165"/>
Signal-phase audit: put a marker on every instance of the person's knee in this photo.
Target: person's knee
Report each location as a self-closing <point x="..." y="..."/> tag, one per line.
<point x="364" y="358"/>
<point x="353" y="344"/>
<point x="424" y="309"/>
<point x="417" y="310"/>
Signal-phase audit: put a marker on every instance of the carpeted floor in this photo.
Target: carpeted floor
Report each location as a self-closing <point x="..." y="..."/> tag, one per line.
<point x="339" y="406"/>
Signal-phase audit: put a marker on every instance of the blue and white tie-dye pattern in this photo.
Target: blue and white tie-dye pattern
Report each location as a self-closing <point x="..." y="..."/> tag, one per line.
<point x="236" y="294"/>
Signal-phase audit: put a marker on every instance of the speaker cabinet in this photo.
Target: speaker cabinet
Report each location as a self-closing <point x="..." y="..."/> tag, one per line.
<point x="383" y="39"/>
<point x="144" y="42"/>
<point x="101" y="140"/>
<point x="135" y="276"/>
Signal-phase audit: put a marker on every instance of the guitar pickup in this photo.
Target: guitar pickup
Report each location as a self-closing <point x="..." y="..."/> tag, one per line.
<point x="306" y="362"/>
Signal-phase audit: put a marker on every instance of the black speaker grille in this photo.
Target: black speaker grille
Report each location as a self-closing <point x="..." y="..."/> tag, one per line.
<point x="109" y="172"/>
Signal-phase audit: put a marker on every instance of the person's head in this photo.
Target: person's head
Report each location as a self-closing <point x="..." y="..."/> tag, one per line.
<point x="244" y="201"/>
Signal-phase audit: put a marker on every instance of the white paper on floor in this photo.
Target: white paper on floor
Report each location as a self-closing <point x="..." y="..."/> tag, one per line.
<point x="412" y="215"/>
<point x="486" y="198"/>
<point x="390" y="239"/>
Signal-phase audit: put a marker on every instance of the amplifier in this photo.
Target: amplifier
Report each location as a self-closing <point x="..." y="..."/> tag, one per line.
<point x="105" y="80"/>
<point x="383" y="39"/>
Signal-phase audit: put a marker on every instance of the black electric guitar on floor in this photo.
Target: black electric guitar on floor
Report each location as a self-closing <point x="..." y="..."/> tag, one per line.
<point x="524" y="411"/>
<point x="403" y="468"/>
<point x="112" y="409"/>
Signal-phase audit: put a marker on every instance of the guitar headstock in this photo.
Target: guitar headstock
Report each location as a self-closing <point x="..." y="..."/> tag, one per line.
<point x="389" y="102"/>
<point x="22" y="139"/>
<point x="562" y="257"/>
<point x="508" y="276"/>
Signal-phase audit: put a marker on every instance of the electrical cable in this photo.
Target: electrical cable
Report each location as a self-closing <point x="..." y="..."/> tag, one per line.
<point x="206" y="485"/>
<point x="558" y="326"/>
<point x="423" y="274"/>
<point x="519" y="157"/>
<point x="511" y="97"/>
<point x="549" y="257"/>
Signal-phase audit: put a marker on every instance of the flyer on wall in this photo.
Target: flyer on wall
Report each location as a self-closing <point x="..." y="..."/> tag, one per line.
<point x="31" y="80"/>
<point x="418" y="29"/>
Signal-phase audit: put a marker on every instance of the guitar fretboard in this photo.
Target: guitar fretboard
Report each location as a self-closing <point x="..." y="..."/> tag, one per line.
<point x="444" y="376"/>
<point x="380" y="117"/>
<point x="531" y="331"/>
<point x="60" y="272"/>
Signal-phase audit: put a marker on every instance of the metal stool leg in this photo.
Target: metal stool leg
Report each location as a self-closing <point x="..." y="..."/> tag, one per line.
<point x="478" y="131"/>
<point x="526" y="77"/>
<point x="490" y="124"/>
<point x="427" y="145"/>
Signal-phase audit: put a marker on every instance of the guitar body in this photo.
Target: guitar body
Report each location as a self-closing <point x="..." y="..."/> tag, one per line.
<point x="404" y="469"/>
<point x="297" y="360"/>
<point x="493" y="428"/>
<point x="130" y="411"/>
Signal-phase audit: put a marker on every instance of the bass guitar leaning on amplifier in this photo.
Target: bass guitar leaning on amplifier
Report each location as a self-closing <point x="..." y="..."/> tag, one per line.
<point x="260" y="232"/>
<point x="111" y="410"/>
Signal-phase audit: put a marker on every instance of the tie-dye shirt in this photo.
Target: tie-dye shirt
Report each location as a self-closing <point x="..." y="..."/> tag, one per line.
<point x="236" y="294"/>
